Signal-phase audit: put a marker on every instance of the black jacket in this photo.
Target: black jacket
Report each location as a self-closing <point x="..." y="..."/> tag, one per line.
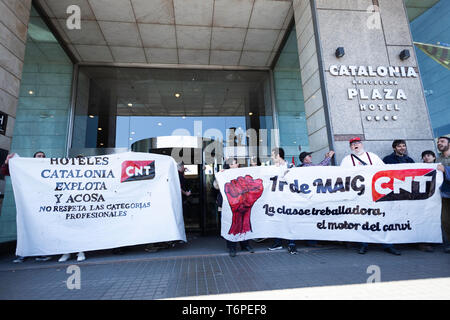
<point x="393" y="159"/>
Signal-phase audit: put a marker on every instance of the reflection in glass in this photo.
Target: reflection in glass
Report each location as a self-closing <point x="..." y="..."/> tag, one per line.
<point x="432" y="28"/>
<point x="289" y="100"/>
<point x="117" y="107"/>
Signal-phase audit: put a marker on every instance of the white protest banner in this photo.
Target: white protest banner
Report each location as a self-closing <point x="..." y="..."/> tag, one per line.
<point x="69" y="205"/>
<point x="380" y="204"/>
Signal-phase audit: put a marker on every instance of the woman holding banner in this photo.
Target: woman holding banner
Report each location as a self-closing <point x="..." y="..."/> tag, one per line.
<point x="4" y="170"/>
<point x="80" y="256"/>
<point x="232" y="246"/>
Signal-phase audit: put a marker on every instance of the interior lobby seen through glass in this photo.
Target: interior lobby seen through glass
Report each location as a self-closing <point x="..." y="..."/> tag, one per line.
<point x="116" y="107"/>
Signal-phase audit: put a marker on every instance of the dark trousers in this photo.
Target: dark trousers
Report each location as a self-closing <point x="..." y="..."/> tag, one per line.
<point x="279" y="242"/>
<point x="385" y="245"/>
<point x="233" y="245"/>
<point x="445" y="221"/>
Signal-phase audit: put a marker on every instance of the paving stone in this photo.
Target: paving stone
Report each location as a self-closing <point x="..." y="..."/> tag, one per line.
<point x="185" y="276"/>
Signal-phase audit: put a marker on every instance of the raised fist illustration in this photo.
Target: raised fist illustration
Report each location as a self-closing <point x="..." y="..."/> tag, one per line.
<point x="242" y="193"/>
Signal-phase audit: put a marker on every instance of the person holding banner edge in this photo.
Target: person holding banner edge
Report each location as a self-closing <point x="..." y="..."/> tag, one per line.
<point x="443" y="145"/>
<point x="278" y="160"/>
<point x="428" y="156"/>
<point x="306" y="161"/>
<point x="400" y="156"/>
<point x="360" y="157"/>
<point x="4" y="170"/>
<point x="80" y="256"/>
<point x="232" y="246"/>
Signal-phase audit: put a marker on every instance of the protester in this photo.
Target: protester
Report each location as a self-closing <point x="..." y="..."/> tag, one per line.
<point x="400" y="156"/>
<point x="232" y="246"/>
<point x="4" y="170"/>
<point x="154" y="247"/>
<point x="360" y="157"/>
<point x="254" y="163"/>
<point x="306" y="161"/>
<point x="80" y="255"/>
<point x="400" y="153"/>
<point x="278" y="160"/>
<point x="428" y="156"/>
<point x="443" y="145"/>
<point x="181" y="171"/>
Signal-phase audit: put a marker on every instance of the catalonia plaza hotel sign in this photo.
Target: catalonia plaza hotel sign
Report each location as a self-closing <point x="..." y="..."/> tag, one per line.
<point x="376" y="88"/>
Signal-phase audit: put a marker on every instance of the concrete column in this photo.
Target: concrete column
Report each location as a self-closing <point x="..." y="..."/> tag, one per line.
<point x="14" y="16"/>
<point x="363" y="96"/>
<point x="316" y="114"/>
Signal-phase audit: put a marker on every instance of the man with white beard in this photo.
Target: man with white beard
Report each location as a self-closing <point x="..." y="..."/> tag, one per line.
<point x="360" y="157"/>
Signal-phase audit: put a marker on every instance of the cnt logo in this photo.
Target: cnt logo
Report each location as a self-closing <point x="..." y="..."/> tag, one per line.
<point x="137" y="170"/>
<point x="411" y="184"/>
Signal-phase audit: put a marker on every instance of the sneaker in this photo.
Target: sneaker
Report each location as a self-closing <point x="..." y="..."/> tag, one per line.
<point x="392" y="251"/>
<point x="119" y="251"/>
<point x="81" y="256"/>
<point x="249" y="249"/>
<point x="19" y="259"/>
<point x="43" y="258"/>
<point x="64" y="257"/>
<point x="275" y="247"/>
<point x="426" y="248"/>
<point x="362" y="250"/>
<point x="151" y="248"/>
<point x="292" y="250"/>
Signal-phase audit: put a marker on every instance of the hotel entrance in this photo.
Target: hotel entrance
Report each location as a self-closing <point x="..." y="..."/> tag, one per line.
<point x="180" y="113"/>
<point x="199" y="208"/>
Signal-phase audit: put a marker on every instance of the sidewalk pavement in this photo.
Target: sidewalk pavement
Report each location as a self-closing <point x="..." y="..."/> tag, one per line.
<point x="202" y="269"/>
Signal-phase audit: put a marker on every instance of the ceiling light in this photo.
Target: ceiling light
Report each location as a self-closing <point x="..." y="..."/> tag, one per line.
<point x="130" y="104"/>
<point x="159" y="124"/>
<point x="99" y="129"/>
<point x="31" y="92"/>
<point x="91" y="116"/>
<point x="101" y="143"/>
<point x="183" y="117"/>
<point x="250" y="113"/>
<point x="132" y="132"/>
<point x="177" y="95"/>
<point x="131" y="139"/>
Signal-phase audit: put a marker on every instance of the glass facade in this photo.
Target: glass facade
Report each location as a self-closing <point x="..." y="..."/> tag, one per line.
<point x="432" y="28"/>
<point x="118" y="106"/>
<point x="164" y="110"/>
<point x="289" y="100"/>
<point x="43" y="108"/>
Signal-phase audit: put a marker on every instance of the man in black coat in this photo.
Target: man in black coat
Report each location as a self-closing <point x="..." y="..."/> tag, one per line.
<point x="399" y="155"/>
